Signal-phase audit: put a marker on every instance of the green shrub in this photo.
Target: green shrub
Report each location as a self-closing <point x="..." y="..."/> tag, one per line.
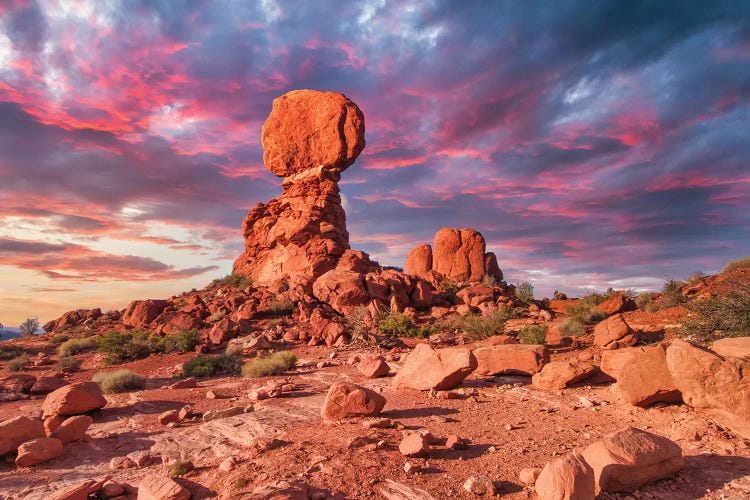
<point x="75" y="346"/>
<point x="207" y="366"/>
<point x="276" y="363"/>
<point x="180" y="468"/>
<point x="572" y="327"/>
<point x="479" y="327"/>
<point x="119" y="347"/>
<point x="19" y="363"/>
<point x="59" y="338"/>
<point x="736" y="264"/>
<point x="119" y="381"/>
<point x="235" y="280"/>
<point x="671" y="294"/>
<point x="182" y="341"/>
<point x="10" y="351"/>
<point x="718" y="316"/>
<point x="533" y="334"/>
<point x="525" y="292"/>
<point x="449" y="288"/>
<point x="586" y="312"/>
<point x="69" y="364"/>
<point x="397" y="324"/>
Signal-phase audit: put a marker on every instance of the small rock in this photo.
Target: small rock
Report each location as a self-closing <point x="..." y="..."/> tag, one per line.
<point x="347" y="400"/>
<point x="169" y="417"/>
<point x="529" y="475"/>
<point x="258" y="395"/>
<point x="121" y="463"/>
<point x="373" y="367"/>
<point x="229" y="412"/>
<point x="413" y="445"/>
<point x="480" y="486"/>
<point x="185" y="412"/>
<point x="227" y="465"/>
<point x="187" y="383"/>
<point x="159" y="487"/>
<point x="112" y="489"/>
<point x="378" y="423"/>
<point x="455" y="443"/>
<point x="410" y="468"/>
<point x="211" y="395"/>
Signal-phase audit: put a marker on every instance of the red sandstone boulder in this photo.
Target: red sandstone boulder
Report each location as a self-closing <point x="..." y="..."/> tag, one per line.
<point x="617" y="303"/>
<point x="38" y="450"/>
<point x="629" y="458"/>
<point x="72" y="428"/>
<point x="566" y="478"/>
<point x="349" y="400"/>
<point x="18" y="382"/>
<point x="143" y="312"/>
<point x="414" y="445"/>
<point x="733" y="347"/>
<point x="712" y="384"/>
<point x="74" y="399"/>
<point x="419" y="261"/>
<point x="560" y="374"/>
<point x="476" y="295"/>
<point x="45" y="385"/>
<point x="82" y="490"/>
<point x="224" y="330"/>
<point x="17" y="430"/>
<point x="342" y="290"/>
<point x="459" y="254"/>
<point x="426" y="369"/>
<point x="514" y="359"/>
<point x="642" y="375"/>
<point x="159" y="487"/>
<point x="373" y="367"/>
<point x="614" y="333"/>
<point x="421" y="297"/>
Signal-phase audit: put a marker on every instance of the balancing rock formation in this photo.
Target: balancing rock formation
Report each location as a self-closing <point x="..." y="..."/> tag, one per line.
<point x="309" y="138"/>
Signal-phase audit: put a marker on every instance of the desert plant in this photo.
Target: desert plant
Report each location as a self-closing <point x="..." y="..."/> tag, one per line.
<point x="359" y="325"/>
<point x="718" y="316"/>
<point x="489" y="281"/>
<point x="217" y="316"/>
<point x="18" y="363"/>
<point x="525" y="292"/>
<point x="276" y="363"/>
<point x="235" y="280"/>
<point x="76" y="346"/>
<point x="695" y="278"/>
<point x="533" y="334"/>
<point x="671" y="294"/>
<point x="182" y="341"/>
<point x="207" y="366"/>
<point x="585" y="312"/>
<point x="118" y="346"/>
<point x="280" y="304"/>
<point x="572" y="327"/>
<point x="644" y="301"/>
<point x="736" y="264"/>
<point x="180" y="468"/>
<point x="29" y="327"/>
<point x="10" y="351"/>
<point x="69" y="364"/>
<point x="449" y="288"/>
<point x="59" y="338"/>
<point x="119" y="381"/>
<point x="479" y="327"/>
<point x="397" y="324"/>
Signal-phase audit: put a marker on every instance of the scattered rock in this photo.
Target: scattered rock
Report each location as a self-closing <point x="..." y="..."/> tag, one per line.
<point x="515" y="359"/>
<point x="169" y="416"/>
<point x="378" y="423"/>
<point x="373" y="367"/>
<point x="72" y="428"/>
<point x="226" y="413"/>
<point x="349" y="400"/>
<point x="614" y="333"/>
<point x="642" y="375"/>
<point x="18" y="430"/>
<point x="414" y="445"/>
<point x="281" y="490"/>
<point x="629" y="458"/>
<point x="480" y="486"/>
<point x="74" y="399"/>
<point x="560" y="374"/>
<point x="426" y="369"/>
<point x="159" y="487"/>
<point x="38" y="450"/>
<point x="454" y="442"/>
<point x="568" y="477"/>
<point x="18" y="382"/>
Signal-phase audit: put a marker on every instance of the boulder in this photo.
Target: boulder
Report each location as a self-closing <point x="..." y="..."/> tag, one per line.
<point x="342" y="290"/>
<point x="566" y="478"/>
<point x="617" y="303"/>
<point x="419" y="261"/>
<point x="373" y="367"/>
<point x="480" y="486"/>
<point x="51" y="423"/>
<point x="560" y="374"/>
<point x="513" y="359"/>
<point x="421" y="297"/>
<point x="45" y="385"/>
<point x="414" y="445"/>
<point x="426" y="368"/>
<point x="642" y="375"/>
<point x="630" y="458"/>
<point x="733" y="347"/>
<point x="720" y="387"/>
<point x="459" y="254"/>
<point x="74" y="399"/>
<point x="614" y="333"/>
<point x="223" y="330"/>
<point x="349" y="400"/>
<point x="143" y="312"/>
<point x="18" y="382"/>
<point x="17" y="430"/>
<point x="82" y="490"/>
<point x="38" y="450"/>
<point x="476" y="295"/>
<point x="160" y="487"/>
<point x="72" y="428"/>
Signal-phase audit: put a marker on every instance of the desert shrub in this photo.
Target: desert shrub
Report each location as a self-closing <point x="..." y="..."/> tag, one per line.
<point x="671" y="294"/>
<point x="240" y="482"/>
<point x="586" y="312"/>
<point x="736" y="264"/>
<point x="280" y="304"/>
<point x="397" y="324"/>
<point x="75" y="346"/>
<point x="18" y="363"/>
<point x="69" y="364"/>
<point x="10" y="351"/>
<point x="479" y="327"/>
<point x="207" y="366"/>
<point x="525" y="292"/>
<point x="357" y="321"/>
<point x="644" y="301"/>
<point x="572" y="327"/>
<point x="276" y="363"/>
<point x="119" y="381"/>
<point x="235" y="280"/>
<point x="29" y="326"/>
<point x="217" y="316"/>
<point x="533" y="334"/>
<point x="182" y="341"/>
<point x="180" y="468"/>
<point x="696" y="277"/>
<point x="59" y="338"/>
<point x="119" y="347"/>
<point x="489" y="281"/>
<point x="718" y="316"/>
<point x="449" y="288"/>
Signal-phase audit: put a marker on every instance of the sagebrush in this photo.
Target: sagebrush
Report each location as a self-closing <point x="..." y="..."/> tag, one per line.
<point x="275" y="364"/>
<point x="119" y="381"/>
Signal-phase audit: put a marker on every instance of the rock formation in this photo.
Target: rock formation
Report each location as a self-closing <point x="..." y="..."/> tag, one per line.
<point x="309" y="138"/>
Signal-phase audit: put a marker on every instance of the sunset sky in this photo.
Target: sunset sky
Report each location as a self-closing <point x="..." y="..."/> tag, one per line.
<point x="593" y="143"/>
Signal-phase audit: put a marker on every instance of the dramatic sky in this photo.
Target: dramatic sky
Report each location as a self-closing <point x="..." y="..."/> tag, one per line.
<point x="593" y="143"/>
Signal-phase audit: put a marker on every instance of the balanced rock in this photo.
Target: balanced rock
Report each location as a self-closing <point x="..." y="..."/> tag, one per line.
<point x="513" y="359"/>
<point x="642" y="375"/>
<point x="38" y="450"/>
<point x="17" y="430"/>
<point x="160" y="487"/>
<point x="560" y="374"/>
<point x="720" y="387"/>
<point x="349" y="400"/>
<point x="629" y="458"/>
<point x="426" y="368"/>
<point x="72" y="428"/>
<point x="74" y="399"/>
<point x="733" y="347"/>
<point x="566" y="478"/>
<point x="373" y="367"/>
<point x="614" y="333"/>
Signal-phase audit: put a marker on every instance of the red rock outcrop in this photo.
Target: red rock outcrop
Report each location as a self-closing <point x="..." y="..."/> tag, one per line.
<point x="642" y="375"/>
